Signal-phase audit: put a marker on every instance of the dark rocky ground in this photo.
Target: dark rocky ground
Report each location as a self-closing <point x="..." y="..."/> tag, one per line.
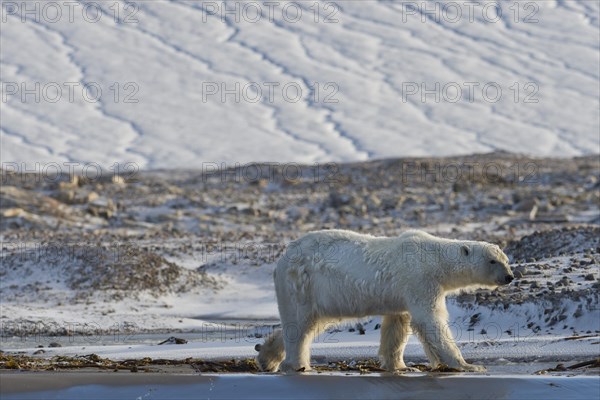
<point x="92" y="362"/>
<point x="117" y="236"/>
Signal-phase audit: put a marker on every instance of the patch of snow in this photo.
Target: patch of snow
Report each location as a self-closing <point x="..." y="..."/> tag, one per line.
<point x="364" y="65"/>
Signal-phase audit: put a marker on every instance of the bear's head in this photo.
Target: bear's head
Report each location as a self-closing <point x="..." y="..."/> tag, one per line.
<point x="488" y="264"/>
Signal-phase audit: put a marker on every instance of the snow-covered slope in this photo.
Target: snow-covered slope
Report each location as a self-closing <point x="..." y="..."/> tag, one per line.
<point x="346" y="81"/>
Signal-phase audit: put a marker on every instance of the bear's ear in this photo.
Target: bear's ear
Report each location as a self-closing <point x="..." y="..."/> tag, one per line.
<point x="464" y="250"/>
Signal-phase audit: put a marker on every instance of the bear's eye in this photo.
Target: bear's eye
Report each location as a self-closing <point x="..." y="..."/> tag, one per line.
<point x="493" y="262"/>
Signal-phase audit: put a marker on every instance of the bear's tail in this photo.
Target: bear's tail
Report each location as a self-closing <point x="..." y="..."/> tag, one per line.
<point x="271" y="353"/>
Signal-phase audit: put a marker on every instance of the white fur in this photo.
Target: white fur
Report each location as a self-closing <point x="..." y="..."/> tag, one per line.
<point x="328" y="276"/>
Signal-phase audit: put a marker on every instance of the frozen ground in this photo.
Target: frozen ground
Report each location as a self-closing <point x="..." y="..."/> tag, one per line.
<point x="499" y="354"/>
<point x="514" y="371"/>
<point x="358" y="70"/>
<point x="141" y="387"/>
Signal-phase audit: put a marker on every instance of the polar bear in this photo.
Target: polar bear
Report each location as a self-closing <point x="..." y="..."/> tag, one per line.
<point x="328" y="276"/>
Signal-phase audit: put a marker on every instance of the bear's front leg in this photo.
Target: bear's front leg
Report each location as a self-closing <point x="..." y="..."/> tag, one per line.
<point x="433" y="332"/>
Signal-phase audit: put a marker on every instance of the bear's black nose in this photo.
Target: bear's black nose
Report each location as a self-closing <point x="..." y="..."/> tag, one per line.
<point x="509" y="278"/>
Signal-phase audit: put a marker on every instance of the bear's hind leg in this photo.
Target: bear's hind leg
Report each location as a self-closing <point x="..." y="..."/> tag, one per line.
<point x="395" y="330"/>
<point x="271" y="353"/>
<point x="297" y="339"/>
